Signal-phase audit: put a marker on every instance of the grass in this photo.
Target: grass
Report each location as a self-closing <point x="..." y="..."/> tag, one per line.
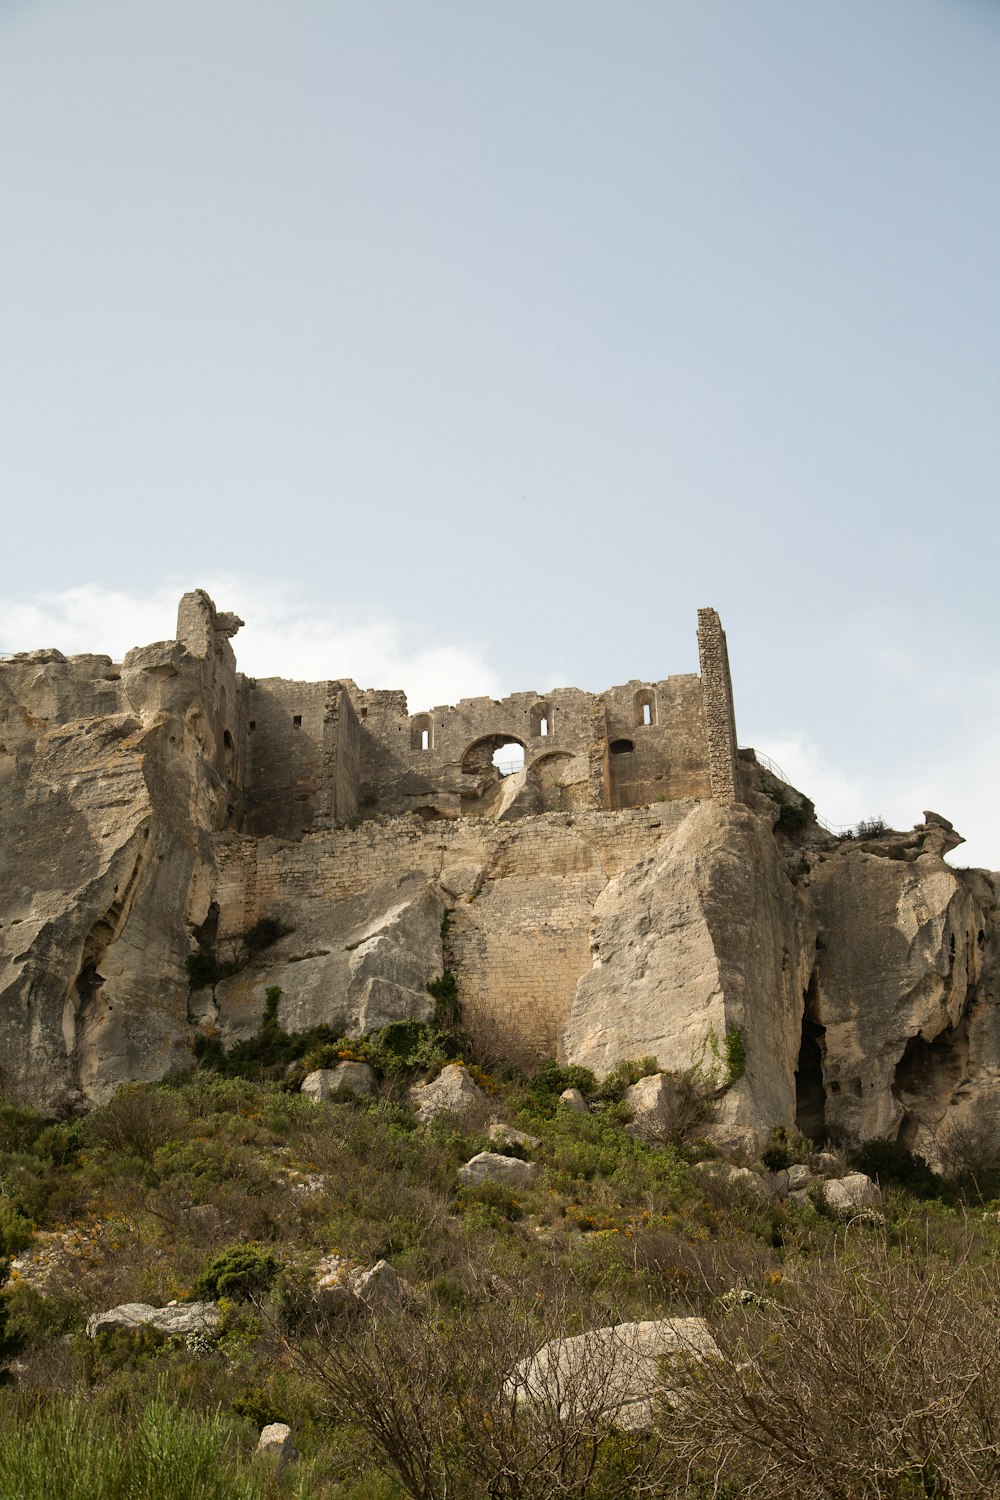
<point x="237" y="1186"/>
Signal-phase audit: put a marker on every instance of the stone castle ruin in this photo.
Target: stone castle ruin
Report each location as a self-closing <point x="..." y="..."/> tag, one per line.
<point x="636" y="885"/>
<point x="301" y="756"/>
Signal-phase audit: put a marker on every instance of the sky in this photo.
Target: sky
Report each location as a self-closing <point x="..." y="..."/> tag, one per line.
<point x="471" y="347"/>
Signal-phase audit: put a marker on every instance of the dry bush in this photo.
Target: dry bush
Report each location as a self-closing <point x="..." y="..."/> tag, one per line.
<point x="698" y="1271"/>
<point x="968" y="1152"/>
<point x="136" y="1122"/>
<point x="875" y="1372"/>
<point x="435" y="1400"/>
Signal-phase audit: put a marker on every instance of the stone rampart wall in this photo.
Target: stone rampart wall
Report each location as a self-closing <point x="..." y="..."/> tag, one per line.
<point x="522" y="898"/>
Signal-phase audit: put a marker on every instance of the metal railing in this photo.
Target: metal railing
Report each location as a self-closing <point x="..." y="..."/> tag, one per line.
<point x="508" y="767"/>
<point x="839" y="829"/>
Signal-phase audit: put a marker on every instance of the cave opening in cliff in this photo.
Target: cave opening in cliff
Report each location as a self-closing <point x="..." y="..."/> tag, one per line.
<point x="810" y="1091"/>
<point x="928" y="1074"/>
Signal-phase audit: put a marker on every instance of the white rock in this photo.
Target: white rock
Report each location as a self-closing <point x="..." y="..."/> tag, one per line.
<point x="178" y="1319"/>
<point x="846" y="1196"/>
<point x="275" y="1443"/>
<point x="573" y="1099"/>
<point x="654" y="1102"/>
<point x="354" y="1078"/>
<point x="342" y="1284"/>
<point x="613" y="1373"/>
<point x="488" y="1167"/>
<point x="453" y="1092"/>
<point x="507" y="1135"/>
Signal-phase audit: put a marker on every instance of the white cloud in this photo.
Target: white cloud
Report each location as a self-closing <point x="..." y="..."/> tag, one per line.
<point x="960" y="782"/>
<point x="288" y="634"/>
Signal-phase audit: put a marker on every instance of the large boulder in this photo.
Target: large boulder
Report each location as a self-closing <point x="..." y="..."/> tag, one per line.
<point x="354" y="1078"/>
<point x="341" y="1285"/>
<point x="178" y="1319"/>
<point x="850" y="1195"/>
<point x="453" y="1092"/>
<point x="489" y="1167"/>
<point x="611" y="1375"/>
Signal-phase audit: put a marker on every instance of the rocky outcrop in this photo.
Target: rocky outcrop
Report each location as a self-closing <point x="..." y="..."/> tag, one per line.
<point x="488" y="1166"/>
<point x="177" y="1319"/>
<point x="701" y="956"/>
<point x="103" y="867"/>
<point x="902" y="1002"/>
<point x="848" y="987"/>
<point x="611" y="1375"/>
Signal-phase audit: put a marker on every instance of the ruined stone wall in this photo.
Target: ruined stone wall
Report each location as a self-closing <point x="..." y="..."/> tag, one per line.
<point x="522" y="899"/>
<point x="440" y="762"/>
<point x="286" y="755"/>
<point x="717" y="689"/>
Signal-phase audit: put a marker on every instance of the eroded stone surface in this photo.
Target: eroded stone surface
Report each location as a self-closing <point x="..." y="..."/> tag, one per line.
<point x="453" y="1092"/>
<point x="490" y="1167"/>
<point x="612" y="1373"/>
<point x="179" y="1320"/>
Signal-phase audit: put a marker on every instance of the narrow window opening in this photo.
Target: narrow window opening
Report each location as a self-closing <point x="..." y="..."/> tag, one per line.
<point x="253" y="725"/>
<point x="544" y="727"/>
<point x="425" y="739"/>
<point x="297" y="720"/>
<point x="364" y="713"/>
<point x="647" y="714"/>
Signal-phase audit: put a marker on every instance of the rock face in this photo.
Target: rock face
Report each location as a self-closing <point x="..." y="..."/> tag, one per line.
<point x="693" y="949"/>
<point x="180" y="1320"/>
<point x="106" y="841"/>
<point x="637" y="889"/>
<point x="611" y="1375"/>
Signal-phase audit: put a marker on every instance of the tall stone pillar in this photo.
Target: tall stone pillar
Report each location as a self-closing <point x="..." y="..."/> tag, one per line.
<point x="720" y="720"/>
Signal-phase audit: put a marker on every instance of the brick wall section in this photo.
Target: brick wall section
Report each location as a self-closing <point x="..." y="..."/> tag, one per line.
<point x="517" y="948"/>
<point x="720" y="721"/>
<point x="286" y="759"/>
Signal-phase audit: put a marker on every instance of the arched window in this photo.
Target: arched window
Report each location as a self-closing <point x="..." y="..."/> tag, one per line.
<point x="541" y="720"/>
<point x="421" y="732"/>
<point x="645" y="707"/>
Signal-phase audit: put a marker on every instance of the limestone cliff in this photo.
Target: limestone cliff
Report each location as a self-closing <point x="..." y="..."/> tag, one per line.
<point x="846" y="985"/>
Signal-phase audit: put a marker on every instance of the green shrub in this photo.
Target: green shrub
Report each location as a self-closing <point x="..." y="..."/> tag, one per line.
<point x="785" y="1149"/>
<point x="18" y="1127"/>
<point x="550" y="1078"/>
<point x="241" y="1272"/>
<point x="15" y="1229"/>
<point x="203" y="969"/>
<point x="60" y="1144"/>
<point x="69" y="1448"/>
<point x="264" y="933"/>
<point x="444" y="993"/>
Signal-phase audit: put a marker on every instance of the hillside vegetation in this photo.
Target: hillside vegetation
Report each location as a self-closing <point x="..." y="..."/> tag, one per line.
<point x="858" y="1357"/>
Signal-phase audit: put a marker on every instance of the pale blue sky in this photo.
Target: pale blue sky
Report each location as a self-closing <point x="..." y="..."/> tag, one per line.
<point x="513" y="332"/>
